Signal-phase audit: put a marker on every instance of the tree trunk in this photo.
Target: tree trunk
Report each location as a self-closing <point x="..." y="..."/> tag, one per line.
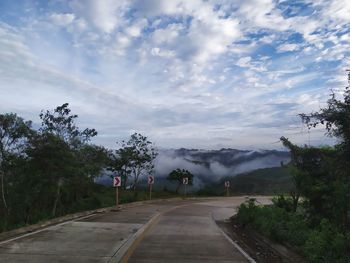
<point x="295" y="198"/>
<point x="125" y="181"/>
<point x="345" y="220"/>
<point x="3" y="192"/>
<point x="58" y="193"/>
<point x="136" y="179"/>
<point x="177" y="188"/>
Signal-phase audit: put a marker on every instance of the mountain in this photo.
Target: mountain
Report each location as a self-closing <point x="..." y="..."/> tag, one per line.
<point x="274" y="180"/>
<point x="210" y="167"/>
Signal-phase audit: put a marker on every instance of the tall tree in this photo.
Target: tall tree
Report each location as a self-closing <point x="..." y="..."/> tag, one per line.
<point x="14" y="132"/>
<point x="140" y="155"/>
<point x="59" y="128"/>
<point x="325" y="171"/>
<point x="61" y="123"/>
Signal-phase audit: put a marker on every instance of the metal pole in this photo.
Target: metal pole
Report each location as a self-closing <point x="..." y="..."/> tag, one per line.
<point x="150" y="192"/>
<point x="185" y="190"/>
<point x="116" y="197"/>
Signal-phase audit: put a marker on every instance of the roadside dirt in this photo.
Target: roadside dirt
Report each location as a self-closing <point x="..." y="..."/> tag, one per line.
<point x="259" y="247"/>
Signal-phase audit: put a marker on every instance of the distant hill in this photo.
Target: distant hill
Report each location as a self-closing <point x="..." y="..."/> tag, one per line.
<point x="274" y="180"/>
<point x="211" y="167"/>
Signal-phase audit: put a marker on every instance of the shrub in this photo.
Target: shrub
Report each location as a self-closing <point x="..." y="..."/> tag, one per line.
<point x="321" y="244"/>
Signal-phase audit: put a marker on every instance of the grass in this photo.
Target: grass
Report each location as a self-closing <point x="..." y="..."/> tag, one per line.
<point x="100" y="197"/>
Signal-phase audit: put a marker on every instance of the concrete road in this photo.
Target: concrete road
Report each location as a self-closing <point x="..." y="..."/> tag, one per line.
<point x="168" y="231"/>
<point x="188" y="233"/>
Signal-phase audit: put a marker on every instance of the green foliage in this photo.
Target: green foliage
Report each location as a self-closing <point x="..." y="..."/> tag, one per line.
<point x="283" y="202"/>
<point x="61" y="123"/>
<point x="48" y="172"/>
<point x="321" y="176"/>
<point x="323" y="243"/>
<point x="326" y="244"/>
<point x="51" y="171"/>
<point x="135" y="158"/>
<point x="178" y="175"/>
<point x="14" y="132"/>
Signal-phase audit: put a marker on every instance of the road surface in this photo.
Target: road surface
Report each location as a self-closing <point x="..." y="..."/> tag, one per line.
<point x="166" y="231"/>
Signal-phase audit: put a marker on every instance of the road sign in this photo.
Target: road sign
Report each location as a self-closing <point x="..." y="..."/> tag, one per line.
<point x="117" y="181"/>
<point x="150" y="179"/>
<point x="185" y="180"/>
<point x="227" y="184"/>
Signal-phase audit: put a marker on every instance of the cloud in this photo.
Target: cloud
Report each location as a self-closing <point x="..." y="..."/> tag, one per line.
<point x="288" y="47"/>
<point x="62" y="19"/>
<point x="244" y="62"/>
<point x="102" y="14"/>
<point x="186" y="73"/>
<point x="339" y="10"/>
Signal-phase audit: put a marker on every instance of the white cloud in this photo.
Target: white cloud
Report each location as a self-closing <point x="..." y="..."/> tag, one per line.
<point x="288" y="47"/>
<point x="244" y="62"/>
<point x="62" y="19"/>
<point x="339" y="10"/>
<point x="169" y="68"/>
<point x="263" y="14"/>
<point x="105" y="15"/>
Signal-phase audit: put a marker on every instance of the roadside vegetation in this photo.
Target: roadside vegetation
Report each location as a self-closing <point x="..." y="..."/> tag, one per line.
<point x="50" y="170"/>
<point x="314" y="218"/>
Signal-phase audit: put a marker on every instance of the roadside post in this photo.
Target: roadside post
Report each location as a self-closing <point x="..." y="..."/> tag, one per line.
<point x="117" y="182"/>
<point x="227" y="186"/>
<point x="150" y="183"/>
<point x="185" y="182"/>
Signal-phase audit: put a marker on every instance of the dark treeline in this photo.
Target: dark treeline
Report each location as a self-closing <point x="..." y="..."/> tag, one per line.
<point x="46" y="172"/>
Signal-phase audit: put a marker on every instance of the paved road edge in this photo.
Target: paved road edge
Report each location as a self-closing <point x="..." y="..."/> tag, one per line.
<point x="245" y="254"/>
<point x="31" y="229"/>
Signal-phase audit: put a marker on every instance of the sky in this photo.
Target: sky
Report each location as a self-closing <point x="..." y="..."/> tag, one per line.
<point x="195" y="74"/>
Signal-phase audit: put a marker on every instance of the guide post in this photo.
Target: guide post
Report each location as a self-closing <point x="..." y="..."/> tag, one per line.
<point x="227" y="186"/>
<point x="150" y="183"/>
<point x="117" y="183"/>
<point x="185" y="182"/>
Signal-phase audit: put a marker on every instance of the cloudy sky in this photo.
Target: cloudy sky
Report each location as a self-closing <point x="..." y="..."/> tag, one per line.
<point x="208" y="74"/>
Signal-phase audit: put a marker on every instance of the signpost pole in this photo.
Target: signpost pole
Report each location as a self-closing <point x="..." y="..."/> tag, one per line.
<point x="116" y="183"/>
<point x="185" y="190"/>
<point x="227" y="191"/>
<point x="116" y="196"/>
<point x="150" y="192"/>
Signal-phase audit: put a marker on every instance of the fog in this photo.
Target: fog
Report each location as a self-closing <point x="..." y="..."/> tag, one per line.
<point x="211" y="166"/>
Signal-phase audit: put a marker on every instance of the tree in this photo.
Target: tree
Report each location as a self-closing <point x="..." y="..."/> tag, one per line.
<point x="325" y="171"/>
<point x="137" y="155"/>
<point x="14" y="132"/>
<point x="53" y="164"/>
<point x="61" y="122"/>
<point x="178" y="175"/>
<point x="59" y="132"/>
<point x="120" y="163"/>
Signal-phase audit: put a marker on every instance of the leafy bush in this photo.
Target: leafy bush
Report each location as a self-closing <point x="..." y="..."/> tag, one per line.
<point x="283" y="202"/>
<point x="321" y="244"/>
<point x="326" y="244"/>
